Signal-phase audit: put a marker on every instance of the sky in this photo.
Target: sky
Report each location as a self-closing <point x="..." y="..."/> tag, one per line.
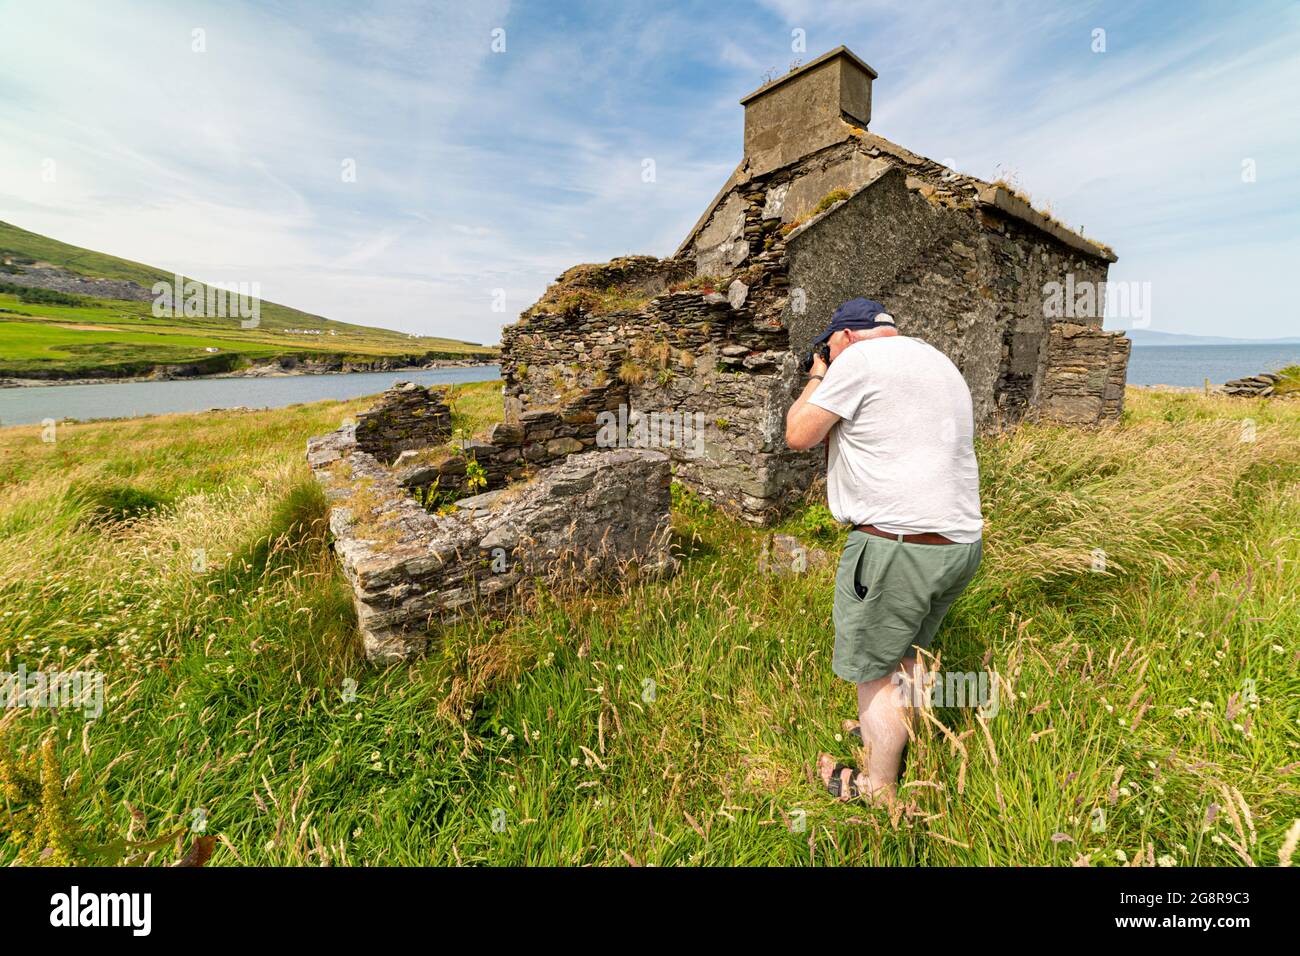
<point x="431" y="167"/>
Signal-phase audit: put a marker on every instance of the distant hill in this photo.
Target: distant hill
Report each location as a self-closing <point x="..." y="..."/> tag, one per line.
<point x="68" y="312"/>
<point x="1151" y="337"/>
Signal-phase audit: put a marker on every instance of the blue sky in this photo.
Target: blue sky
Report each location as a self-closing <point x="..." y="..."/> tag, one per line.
<point x="478" y="170"/>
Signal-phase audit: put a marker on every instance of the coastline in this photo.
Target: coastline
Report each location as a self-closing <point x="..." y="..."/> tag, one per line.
<point x="255" y="372"/>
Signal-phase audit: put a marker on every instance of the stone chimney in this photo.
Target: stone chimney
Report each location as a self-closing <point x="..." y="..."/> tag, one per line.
<point x="806" y="109"/>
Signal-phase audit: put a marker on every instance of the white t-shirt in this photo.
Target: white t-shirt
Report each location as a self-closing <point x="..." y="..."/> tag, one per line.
<point x="903" y="458"/>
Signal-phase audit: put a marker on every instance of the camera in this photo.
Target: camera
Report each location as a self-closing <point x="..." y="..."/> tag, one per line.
<point x="824" y="351"/>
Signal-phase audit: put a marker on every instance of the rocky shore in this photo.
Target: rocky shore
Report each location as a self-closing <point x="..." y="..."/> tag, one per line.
<point x="1262" y="385"/>
<point x="273" y="369"/>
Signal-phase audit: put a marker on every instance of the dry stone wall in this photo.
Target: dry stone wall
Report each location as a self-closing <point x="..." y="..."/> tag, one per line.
<point x="973" y="289"/>
<point x="712" y="362"/>
<point x="514" y="449"/>
<point x="1085" y="373"/>
<point x="406" y="417"/>
<point x="555" y="509"/>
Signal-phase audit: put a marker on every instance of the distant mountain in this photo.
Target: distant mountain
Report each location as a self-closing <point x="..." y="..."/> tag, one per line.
<point x="1144" y="337"/>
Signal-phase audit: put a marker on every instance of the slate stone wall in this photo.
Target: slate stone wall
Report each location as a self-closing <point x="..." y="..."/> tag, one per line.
<point x="972" y="288"/>
<point x="589" y="517"/>
<point x="719" y="361"/>
<point x="407" y="416"/>
<point x="514" y="450"/>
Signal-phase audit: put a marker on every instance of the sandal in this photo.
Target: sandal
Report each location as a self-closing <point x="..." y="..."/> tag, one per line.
<point x="836" y="787"/>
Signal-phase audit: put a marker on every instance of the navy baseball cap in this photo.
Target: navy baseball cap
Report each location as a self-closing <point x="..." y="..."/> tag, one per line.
<point x="857" y="314"/>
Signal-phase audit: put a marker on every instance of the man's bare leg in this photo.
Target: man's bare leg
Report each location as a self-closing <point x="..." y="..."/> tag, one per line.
<point x="884" y="714"/>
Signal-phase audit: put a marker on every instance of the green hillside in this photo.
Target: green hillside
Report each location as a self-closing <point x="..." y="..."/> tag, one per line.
<point x="49" y="333"/>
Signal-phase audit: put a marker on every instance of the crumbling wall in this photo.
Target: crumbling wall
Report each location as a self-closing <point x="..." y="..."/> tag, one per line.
<point x="720" y="365"/>
<point x="547" y="505"/>
<point x="406" y="417"/>
<point x="411" y="571"/>
<point x="1084" y="375"/>
<point x="1020" y="263"/>
<point x="535" y="439"/>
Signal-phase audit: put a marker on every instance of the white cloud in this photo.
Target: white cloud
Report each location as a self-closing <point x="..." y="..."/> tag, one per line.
<point x="477" y="171"/>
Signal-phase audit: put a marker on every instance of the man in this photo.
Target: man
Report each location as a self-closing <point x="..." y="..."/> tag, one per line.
<point x="902" y="473"/>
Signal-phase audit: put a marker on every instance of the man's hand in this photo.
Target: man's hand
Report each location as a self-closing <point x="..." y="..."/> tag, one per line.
<point x="805" y="424"/>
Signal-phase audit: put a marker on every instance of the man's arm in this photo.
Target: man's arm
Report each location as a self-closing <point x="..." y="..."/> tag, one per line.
<point x="806" y="425"/>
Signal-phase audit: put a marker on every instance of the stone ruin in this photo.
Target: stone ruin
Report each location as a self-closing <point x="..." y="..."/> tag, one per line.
<point x="818" y="211"/>
<point x="709" y="341"/>
<point x="429" y="529"/>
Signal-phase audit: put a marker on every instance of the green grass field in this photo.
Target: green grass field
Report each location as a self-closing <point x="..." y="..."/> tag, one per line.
<point x="1150" y="711"/>
<point x="113" y="337"/>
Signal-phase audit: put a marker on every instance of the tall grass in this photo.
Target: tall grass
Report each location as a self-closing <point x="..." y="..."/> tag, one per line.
<point x="1150" y="706"/>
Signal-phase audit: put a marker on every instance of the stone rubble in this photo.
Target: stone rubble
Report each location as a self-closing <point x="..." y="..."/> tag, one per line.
<point x="1253" y="386"/>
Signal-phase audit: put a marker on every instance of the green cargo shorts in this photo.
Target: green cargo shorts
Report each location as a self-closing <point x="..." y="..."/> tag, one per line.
<point x="890" y="596"/>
